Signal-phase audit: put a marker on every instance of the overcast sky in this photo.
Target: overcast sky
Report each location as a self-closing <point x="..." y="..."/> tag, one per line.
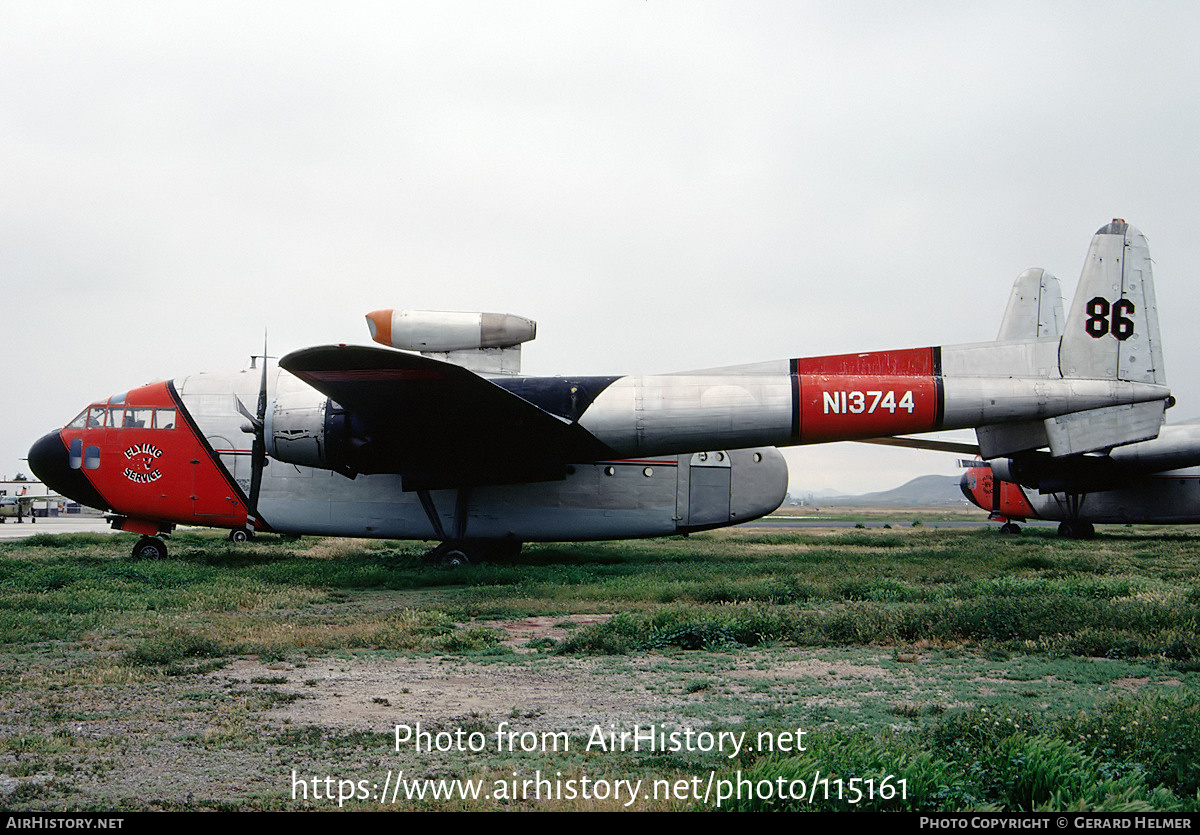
<point x="661" y="185"/>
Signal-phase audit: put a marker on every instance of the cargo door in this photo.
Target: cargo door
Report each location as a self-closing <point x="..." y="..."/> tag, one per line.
<point x="708" y="489"/>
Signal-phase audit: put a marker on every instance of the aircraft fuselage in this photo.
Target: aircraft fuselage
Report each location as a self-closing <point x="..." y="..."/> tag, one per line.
<point x="175" y="453"/>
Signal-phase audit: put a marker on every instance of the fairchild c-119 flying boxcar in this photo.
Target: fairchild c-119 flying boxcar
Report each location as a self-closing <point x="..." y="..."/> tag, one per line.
<point x="453" y="444"/>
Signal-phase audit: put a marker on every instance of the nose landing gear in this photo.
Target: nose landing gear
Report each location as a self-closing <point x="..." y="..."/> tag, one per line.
<point x="150" y="548"/>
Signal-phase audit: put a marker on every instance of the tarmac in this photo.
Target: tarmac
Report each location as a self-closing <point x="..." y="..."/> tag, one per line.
<point x="901" y="520"/>
<point x="11" y="529"/>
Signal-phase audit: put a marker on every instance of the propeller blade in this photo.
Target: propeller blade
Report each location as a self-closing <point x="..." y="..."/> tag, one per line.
<point x="258" y="451"/>
<point x="262" y="385"/>
<point x="256" y="425"/>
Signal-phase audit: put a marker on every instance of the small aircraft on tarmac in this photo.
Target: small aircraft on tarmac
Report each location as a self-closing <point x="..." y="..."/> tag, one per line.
<point x="438" y="436"/>
<point x="18" y="507"/>
<point x="21" y="498"/>
<point x="1156" y="481"/>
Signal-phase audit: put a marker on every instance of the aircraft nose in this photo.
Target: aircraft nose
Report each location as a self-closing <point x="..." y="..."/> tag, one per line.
<point x="48" y="459"/>
<point x="967" y="485"/>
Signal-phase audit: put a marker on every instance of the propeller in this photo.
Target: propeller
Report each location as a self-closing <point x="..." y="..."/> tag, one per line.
<point x="258" y="450"/>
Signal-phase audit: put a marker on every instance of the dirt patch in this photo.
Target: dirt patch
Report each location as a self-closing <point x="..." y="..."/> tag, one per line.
<point x="239" y="734"/>
<point x="541" y="693"/>
<point x="815" y="668"/>
<point x="518" y="633"/>
<point x="373" y="694"/>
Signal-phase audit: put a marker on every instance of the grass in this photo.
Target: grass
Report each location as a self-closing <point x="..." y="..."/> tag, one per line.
<point x="986" y="672"/>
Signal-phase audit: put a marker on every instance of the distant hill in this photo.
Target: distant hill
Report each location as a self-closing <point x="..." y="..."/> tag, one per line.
<point x="923" y="491"/>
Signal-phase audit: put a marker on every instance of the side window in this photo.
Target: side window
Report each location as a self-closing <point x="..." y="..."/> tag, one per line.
<point x="95" y="417"/>
<point x="164" y="419"/>
<point x="116" y="418"/>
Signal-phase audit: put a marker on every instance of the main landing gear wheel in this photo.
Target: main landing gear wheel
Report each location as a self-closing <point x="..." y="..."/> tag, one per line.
<point x="1010" y="528"/>
<point x="447" y="555"/>
<point x="150" y="548"/>
<point x="1076" y="530"/>
<point x="239" y="535"/>
<point x="454" y="558"/>
<point x="457" y="553"/>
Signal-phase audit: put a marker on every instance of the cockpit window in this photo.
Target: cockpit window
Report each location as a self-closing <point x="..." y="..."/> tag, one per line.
<point x="138" y="417"/>
<point x="124" y="417"/>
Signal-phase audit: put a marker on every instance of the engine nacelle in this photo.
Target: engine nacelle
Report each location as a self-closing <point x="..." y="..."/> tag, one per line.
<point x="1177" y="446"/>
<point x="435" y="331"/>
<point x="1073" y="474"/>
<point x="1003" y="469"/>
<point x="313" y="433"/>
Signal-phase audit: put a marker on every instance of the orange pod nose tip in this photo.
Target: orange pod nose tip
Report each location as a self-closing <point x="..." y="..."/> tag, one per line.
<point x="379" y="322"/>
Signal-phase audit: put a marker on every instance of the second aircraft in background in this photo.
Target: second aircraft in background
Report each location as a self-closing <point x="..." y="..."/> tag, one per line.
<point x="1156" y="481"/>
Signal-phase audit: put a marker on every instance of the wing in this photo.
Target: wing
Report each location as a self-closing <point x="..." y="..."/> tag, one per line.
<point x="439" y="425"/>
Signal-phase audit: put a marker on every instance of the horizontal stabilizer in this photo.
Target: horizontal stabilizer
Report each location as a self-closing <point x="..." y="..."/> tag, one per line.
<point x="1098" y="429"/>
<point x="1002" y="439"/>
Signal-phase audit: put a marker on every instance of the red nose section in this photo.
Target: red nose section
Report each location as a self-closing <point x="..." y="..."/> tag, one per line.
<point x="142" y="455"/>
<point x="50" y="461"/>
<point x="1001" y="499"/>
<point x="976" y="485"/>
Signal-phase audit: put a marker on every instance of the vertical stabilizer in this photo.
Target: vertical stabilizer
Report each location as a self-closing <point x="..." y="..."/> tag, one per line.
<point x="1112" y="329"/>
<point x="1110" y="335"/>
<point x="1035" y="307"/>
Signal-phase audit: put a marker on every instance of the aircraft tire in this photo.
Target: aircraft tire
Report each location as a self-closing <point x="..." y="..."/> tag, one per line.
<point x="1077" y="530"/>
<point x="150" y="548"/>
<point x="239" y="535"/>
<point x="1010" y="528"/>
<point x="448" y="555"/>
<point x="434" y="555"/>
<point x="454" y="558"/>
